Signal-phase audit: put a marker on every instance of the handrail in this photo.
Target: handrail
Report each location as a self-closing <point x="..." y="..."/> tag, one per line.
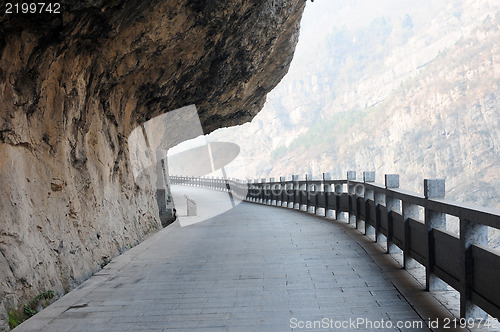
<point x="464" y="262"/>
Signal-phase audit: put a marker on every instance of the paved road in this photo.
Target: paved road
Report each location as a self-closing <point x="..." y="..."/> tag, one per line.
<point x="251" y="268"/>
<point x="209" y="203"/>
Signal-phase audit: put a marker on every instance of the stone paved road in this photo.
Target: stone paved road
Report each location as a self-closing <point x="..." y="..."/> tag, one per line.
<point x="252" y="268"/>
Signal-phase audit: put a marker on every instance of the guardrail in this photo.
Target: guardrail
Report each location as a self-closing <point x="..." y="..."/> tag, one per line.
<point x="416" y="224"/>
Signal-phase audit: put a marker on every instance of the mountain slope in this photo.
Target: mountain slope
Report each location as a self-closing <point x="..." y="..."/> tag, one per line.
<point x="415" y="94"/>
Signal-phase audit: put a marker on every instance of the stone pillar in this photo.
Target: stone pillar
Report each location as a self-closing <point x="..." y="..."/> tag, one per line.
<point x="392" y="204"/>
<point x="295" y="187"/>
<point x="338" y="190"/>
<point x="327" y="189"/>
<point x="262" y="186"/>
<point x="470" y="233"/>
<point x="272" y="201"/>
<point x="433" y="189"/>
<point x="379" y="199"/>
<point x="351" y="190"/>
<point x="309" y="191"/>
<point x="410" y="211"/>
<point x="351" y="176"/>
<point x="256" y="191"/>
<point x="249" y="190"/>
<point x="282" y="189"/>
<point x="368" y="177"/>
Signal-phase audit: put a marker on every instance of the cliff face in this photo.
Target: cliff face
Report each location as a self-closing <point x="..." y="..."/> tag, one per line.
<point x="73" y="86"/>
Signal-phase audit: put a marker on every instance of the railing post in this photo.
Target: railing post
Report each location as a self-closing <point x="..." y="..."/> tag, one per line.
<point x="251" y="190"/>
<point x="391" y="182"/>
<point x="249" y="187"/>
<point x="326" y="190"/>
<point x="470" y="233"/>
<point x="316" y="191"/>
<point x="433" y="188"/>
<point x="368" y="177"/>
<point x="379" y="199"/>
<point x="295" y="187"/>
<point x="271" y="191"/>
<point x="263" y="184"/>
<point x="263" y="191"/>
<point x="282" y="188"/>
<point x="351" y="176"/>
<point x="256" y="187"/>
<point x="410" y="211"/>
<point x="338" y="191"/>
<point x="351" y="190"/>
<point x="288" y="187"/>
<point x="308" y="178"/>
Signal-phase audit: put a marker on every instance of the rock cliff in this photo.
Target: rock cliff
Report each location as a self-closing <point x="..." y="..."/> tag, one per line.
<point x="74" y="85"/>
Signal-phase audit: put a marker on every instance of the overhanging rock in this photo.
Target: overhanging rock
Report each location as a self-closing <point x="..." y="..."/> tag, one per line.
<point x="73" y="86"/>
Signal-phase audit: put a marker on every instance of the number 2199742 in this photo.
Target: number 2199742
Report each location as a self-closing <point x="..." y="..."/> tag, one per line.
<point x="32" y="8"/>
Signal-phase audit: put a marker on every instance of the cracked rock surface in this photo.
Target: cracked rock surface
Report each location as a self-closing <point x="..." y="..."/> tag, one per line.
<point x="74" y="85"/>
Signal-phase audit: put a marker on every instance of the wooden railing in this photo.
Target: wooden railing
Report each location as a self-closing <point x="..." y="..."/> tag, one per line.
<point x="416" y="224"/>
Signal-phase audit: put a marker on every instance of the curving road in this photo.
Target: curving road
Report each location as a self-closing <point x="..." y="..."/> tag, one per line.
<point x="250" y="268"/>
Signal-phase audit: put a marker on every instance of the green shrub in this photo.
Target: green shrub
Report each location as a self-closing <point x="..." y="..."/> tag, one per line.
<point x="16" y="317"/>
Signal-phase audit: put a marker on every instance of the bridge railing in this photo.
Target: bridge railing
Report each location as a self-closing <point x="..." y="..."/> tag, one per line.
<point x="414" y="223"/>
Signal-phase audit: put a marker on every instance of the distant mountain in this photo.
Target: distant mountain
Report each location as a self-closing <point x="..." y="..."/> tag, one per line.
<point x="414" y="91"/>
